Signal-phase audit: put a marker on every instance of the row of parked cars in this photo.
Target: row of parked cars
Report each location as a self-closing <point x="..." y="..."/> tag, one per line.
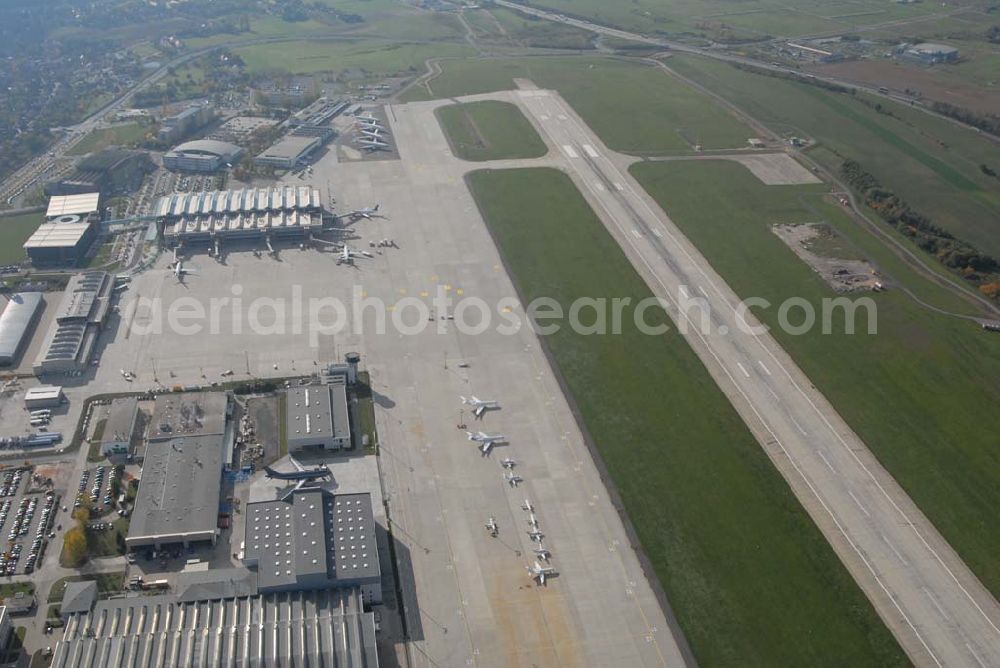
<point x="9" y="482"/>
<point x="38" y="544"/>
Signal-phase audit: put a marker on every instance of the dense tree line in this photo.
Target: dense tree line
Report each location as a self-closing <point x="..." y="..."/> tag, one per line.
<point x="954" y="253"/>
<point x="986" y="122"/>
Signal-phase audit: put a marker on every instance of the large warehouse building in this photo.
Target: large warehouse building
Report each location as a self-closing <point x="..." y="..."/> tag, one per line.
<point x="313" y="628"/>
<point x="80" y="317"/>
<point x="291" y="151"/>
<point x="314" y="540"/>
<point x="201" y="155"/>
<point x="250" y="213"/>
<point x="17" y="323"/>
<point x="178" y="499"/>
<point x="68" y="232"/>
<point x="317" y="417"/>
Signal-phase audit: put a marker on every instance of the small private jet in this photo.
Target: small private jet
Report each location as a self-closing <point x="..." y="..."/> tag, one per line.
<point x="539" y="572"/>
<point x="480" y="406"/>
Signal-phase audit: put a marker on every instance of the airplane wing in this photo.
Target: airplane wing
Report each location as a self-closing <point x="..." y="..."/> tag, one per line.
<point x="295" y="463"/>
<point x="480" y="410"/>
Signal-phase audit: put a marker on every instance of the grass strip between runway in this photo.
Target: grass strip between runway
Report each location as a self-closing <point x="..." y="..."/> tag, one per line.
<point x="921" y="393"/>
<point x="749" y="576"/>
<point x="489" y="130"/>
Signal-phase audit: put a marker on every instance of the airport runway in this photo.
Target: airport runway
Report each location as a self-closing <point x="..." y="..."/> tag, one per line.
<point x="937" y="609"/>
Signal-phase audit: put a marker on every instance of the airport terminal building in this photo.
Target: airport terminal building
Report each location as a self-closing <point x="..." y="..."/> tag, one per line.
<point x="250" y="213"/>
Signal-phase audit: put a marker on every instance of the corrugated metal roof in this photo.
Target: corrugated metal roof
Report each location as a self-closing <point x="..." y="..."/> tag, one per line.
<point x="315" y="628"/>
<point x="16" y="321"/>
<point x="65" y="205"/>
<point x="57" y="235"/>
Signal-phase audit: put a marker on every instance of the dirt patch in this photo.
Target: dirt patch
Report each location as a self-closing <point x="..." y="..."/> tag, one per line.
<point x="259" y="430"/>
<point x="776" y="169"/>
<point x="819" y="246"/>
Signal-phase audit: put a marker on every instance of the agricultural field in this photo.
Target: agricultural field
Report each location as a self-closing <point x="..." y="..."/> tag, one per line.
<point x="518" y="29"/>
<point x="126" y="134"/>
<point x="489" y="130"/>
<point x="921" y="393"/>
<point x="371" y="57"/>
<point x="723" y="20"/>
<point x="742" y="564"/>
<point x="14" y="231"/>
<point x="931" y="163"/>
<point x="635" y="108"/>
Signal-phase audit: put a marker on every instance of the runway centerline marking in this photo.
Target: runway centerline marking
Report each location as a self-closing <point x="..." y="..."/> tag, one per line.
<point x="763" y="367"/>
<point x="826" y="461"/>
<point x="745" y="372"/>
<point x="894" y="550"/>
<point x="859" y="504"/>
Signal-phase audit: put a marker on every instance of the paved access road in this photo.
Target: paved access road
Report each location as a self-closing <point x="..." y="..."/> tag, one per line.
<point x="935" y="606"/>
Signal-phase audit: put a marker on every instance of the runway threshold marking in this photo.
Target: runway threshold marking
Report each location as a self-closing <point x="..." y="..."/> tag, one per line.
<point x="745" y="372"/>
<point x="590" y="151"/>
<point x="569" y="151"/>
<point x="636" y="234"/>
<point x="859" y="504"/>
<point x="657" y="233"/>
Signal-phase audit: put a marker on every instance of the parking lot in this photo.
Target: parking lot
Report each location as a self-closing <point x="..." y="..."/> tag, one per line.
<point x="27" y="511"/>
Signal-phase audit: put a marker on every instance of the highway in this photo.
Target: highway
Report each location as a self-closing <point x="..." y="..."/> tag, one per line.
<point x="937" y="609"/>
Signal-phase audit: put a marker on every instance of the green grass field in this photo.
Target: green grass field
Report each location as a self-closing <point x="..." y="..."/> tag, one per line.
<point x="635" y="108"/>
<point x="743" y="566"/>
<point x="922" y="393"/>
<point x="126" y="134"/>
<point x="489" y="130"/>
<point x="747" y="19"/>
<point x="14" y="231"/>
<point x="372" y="57"/>
<point x="931" y="163"/>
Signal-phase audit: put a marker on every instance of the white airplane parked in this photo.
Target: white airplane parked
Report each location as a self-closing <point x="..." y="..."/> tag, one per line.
<point x="367" y="212"/>
<point x="347" y="255"/>
<point x="480" y="406"/>
<point x="485" y="441"/>
<point x="373" y="145"/>
<point x="180" y="271"/>
<point x="512" y="479"/>
<point x="538" y="572"/>
<point x="373" y="131"/>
